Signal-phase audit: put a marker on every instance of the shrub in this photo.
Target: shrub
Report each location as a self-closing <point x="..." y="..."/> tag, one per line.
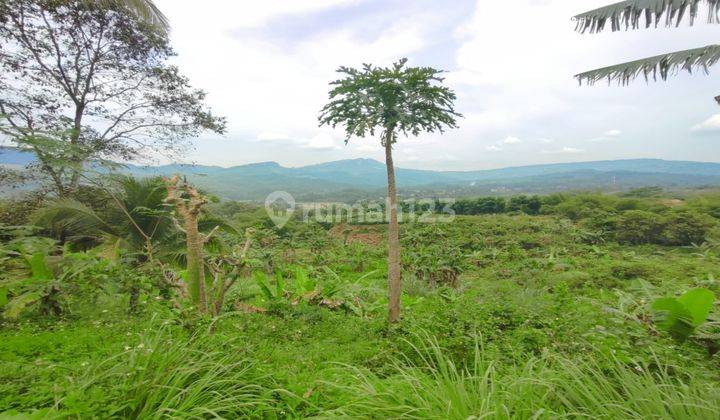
<point x="638" y="227"/>
<point x="17" y="212"/>
<point x="629" y="271"/>
<point x="684" y="228"/>
<point x="525" y="204"/>
<point x="583" y="206"/>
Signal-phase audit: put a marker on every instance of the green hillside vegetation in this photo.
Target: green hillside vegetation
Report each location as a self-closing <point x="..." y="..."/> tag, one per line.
<point x="575" y="290"/>
<point x="546" y="312"/>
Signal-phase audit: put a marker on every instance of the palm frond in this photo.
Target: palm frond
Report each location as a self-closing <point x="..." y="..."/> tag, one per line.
<point x="72" y="216"/>
<point x="629" y="14"/>
<point x="147" y="11"/>
<point x="661" y="65"/>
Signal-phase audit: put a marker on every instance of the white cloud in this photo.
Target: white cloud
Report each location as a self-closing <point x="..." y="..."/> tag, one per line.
<point x="369" y="147"/>
<point x="269" y="136"/>
<point x="608" y="136"/>
<point x="711" y="124"/>
<point x="233" y="13"/>
<point x="498" y="146"/>
<point x="511" y="140"/>
<point x="563" y="151"/>
<point x="546" y="141"/>
<point x="320" y="141"/>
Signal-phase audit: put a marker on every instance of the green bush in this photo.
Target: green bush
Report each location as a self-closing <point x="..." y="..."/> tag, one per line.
<point x="638" y="227"/>
<point x="682" y="228"/>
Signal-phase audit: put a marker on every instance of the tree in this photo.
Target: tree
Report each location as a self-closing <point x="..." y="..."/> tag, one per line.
<point x="135" y="217"/>
<point x="391" y="101"/>
<point x="88" y="80"/>
<point x="134" y="220"/>
<point x="629" y="14"/>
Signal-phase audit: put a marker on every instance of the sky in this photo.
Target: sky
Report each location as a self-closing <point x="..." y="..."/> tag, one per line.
<point x="266" y="66"/>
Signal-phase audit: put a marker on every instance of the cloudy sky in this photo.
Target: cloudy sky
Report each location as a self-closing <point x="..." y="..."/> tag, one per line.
<point x="266" y="66"/>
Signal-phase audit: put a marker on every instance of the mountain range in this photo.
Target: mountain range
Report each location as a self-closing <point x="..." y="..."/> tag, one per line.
<point x="349" y="180"/>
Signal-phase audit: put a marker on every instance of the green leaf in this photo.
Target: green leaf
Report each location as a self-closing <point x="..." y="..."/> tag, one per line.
<point x="3" y="296"/>
<point x="279" y="284"/>
<point x="15" y="307"/>
<point x="699" y="303"/>
<point x="671" y="316"/>
<point x="261" y="280"/>
<point x="39" y="267"/>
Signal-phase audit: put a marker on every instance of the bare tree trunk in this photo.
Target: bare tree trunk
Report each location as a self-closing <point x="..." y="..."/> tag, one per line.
<point x="394" y="280"/>
<point x="189" y="210"/>
<point x="195" y="262"/>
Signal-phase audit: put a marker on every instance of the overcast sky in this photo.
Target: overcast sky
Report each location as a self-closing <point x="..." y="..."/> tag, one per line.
<point x="266" y="66"/>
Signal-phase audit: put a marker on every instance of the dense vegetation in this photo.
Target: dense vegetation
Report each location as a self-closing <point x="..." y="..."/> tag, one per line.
<point x="505" y="315"/>
<point x="147" y="297"/>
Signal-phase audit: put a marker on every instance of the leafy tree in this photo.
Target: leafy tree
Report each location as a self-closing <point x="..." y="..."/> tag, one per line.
<point x="391" y="101"/>
<point x="629" y="14"/>
<point x="87" y="80"/>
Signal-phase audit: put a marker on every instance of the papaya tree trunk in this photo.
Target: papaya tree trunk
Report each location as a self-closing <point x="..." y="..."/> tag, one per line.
<point x="394" y="280"/>
<point x="195" y="263"/>
<point x="189" y="210"/>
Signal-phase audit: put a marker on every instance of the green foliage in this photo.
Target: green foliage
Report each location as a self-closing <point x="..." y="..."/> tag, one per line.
<point x="19" y="211"/>
<point x="482" y="205"/>
<point x="395" y="99"/>
<point x="638" y="227"/>
<point x="135" y="217"/>
<point x="682" y="316"/>
<point x="34" y="282"/>
<point x="118" y="96"/>
<point x="685" y="228"/>
<point x="545" y="323"/>
<point x="429" y="255"/>
<point x="432" y="385"/>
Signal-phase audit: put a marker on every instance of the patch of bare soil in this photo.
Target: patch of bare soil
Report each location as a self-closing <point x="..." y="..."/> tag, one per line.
<point x="365" y="234"/>
<point x="673" y="202"/>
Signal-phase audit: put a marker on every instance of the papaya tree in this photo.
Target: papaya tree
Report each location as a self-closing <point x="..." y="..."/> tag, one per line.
<point x="390" y="101"/>
<point x="630" y="14"/>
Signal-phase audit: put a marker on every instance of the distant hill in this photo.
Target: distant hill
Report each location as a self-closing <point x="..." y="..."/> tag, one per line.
<point x="348" y="180"/>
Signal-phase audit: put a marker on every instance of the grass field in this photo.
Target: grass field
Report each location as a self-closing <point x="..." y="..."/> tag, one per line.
<point x="541" y="325"/>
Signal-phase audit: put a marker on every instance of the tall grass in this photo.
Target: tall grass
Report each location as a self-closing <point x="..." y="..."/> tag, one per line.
<point x="430" y="385"/>
<point x="164" y="377"/>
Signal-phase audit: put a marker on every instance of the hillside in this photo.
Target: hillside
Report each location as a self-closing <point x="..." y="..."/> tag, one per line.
<point x="348" y="180"/>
